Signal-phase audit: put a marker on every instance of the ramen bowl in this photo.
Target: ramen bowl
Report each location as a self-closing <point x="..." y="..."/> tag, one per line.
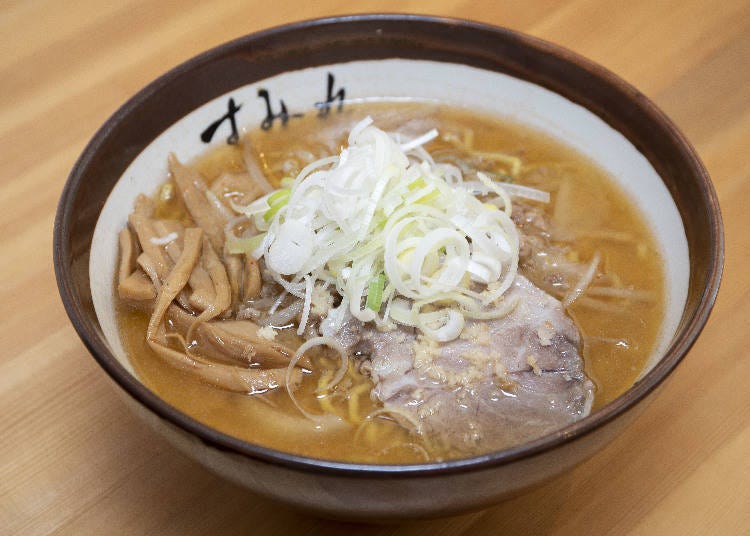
<point x="271" y="78"/>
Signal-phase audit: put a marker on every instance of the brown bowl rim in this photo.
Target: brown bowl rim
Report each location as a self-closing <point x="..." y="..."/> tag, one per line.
<point x="560" y="58"/>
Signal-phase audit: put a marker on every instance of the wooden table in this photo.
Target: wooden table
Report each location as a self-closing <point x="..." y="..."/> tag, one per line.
<point x="74" y="460"/>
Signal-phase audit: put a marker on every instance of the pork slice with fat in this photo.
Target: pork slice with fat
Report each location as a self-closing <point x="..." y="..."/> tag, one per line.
<point x="503" y="382"/>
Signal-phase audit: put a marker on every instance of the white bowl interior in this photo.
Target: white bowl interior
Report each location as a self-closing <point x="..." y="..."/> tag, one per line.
<point x="497" y="94"/>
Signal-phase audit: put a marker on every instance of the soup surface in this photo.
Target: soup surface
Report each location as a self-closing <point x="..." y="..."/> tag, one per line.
<point x="588" y="217"/>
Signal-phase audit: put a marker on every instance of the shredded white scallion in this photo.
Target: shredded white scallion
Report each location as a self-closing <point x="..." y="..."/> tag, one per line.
<point x="386" y="208"/>
<point x="513" y="190"/>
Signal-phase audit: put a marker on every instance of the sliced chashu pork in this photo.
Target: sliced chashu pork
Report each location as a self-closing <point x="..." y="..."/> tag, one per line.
<point x="502" y="383"/>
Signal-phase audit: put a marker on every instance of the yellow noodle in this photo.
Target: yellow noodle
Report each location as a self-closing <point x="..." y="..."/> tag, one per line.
<point x="354" y="395"/>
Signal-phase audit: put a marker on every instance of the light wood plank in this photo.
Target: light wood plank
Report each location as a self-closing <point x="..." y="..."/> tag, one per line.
<point x="73" y="460"/>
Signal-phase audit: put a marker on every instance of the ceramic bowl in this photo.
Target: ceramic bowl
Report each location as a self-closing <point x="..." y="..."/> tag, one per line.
<point x="241" y="85"/>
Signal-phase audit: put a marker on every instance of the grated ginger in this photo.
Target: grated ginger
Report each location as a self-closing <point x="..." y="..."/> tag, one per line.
<point x="267" y="333"/>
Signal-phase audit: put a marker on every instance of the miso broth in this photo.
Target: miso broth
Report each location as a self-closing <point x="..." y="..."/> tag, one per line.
<point x="587" y="212"/>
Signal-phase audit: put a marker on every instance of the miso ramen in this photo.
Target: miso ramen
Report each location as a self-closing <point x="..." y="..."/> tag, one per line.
<point x="394" y="283"/>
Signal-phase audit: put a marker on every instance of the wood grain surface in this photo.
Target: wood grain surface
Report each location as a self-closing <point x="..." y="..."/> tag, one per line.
<point x="73" y="460"/>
